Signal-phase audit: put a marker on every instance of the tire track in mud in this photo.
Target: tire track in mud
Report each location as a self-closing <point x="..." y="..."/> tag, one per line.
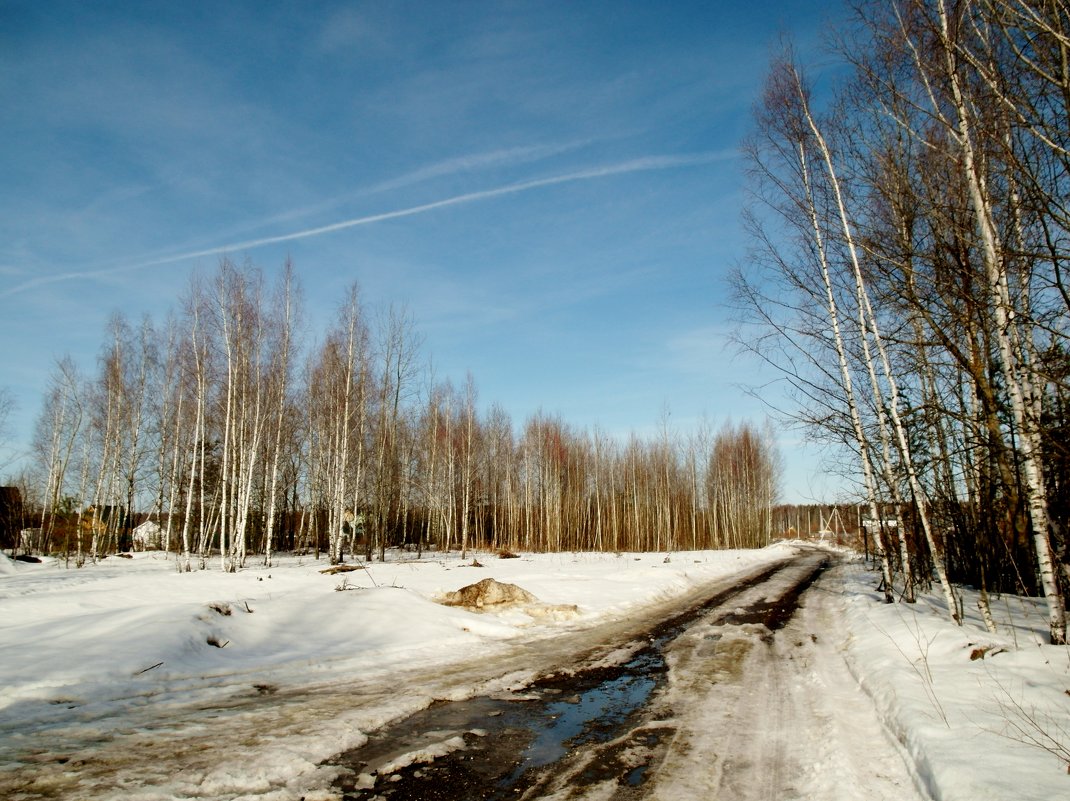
<point x="597" y="730"/>
<point x="711" y="665"/>
<point x="760" y="714"/>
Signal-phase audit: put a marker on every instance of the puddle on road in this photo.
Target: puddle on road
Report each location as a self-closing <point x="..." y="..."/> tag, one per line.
<point x="507" y="739"/>
<point x="596" y="714"/>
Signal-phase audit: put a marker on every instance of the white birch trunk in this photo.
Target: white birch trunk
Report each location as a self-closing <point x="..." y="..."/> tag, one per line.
<point x="845" y="372"/>
<point x="1016" y="375"/>
<point x="866" y="314"/>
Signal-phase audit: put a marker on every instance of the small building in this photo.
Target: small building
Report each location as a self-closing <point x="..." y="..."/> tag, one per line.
<point x="148" y="537"/>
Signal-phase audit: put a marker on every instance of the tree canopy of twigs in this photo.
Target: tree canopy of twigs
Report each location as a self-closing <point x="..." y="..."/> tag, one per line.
<point x="908" y="277"/>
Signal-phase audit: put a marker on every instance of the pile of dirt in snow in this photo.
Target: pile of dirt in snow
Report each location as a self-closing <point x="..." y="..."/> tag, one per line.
<point x="488" y="592"/>
<point x="493" y="593"/>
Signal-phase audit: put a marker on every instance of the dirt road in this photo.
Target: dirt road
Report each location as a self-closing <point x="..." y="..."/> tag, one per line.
<point x="735" y="699"/>
<point x="753" y="713"/>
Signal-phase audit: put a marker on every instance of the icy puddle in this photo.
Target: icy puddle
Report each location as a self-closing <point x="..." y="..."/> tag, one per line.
<point x="496" y="747"/>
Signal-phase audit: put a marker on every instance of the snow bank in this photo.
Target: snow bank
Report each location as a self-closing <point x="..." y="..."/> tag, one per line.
<point x="981" y="715"/>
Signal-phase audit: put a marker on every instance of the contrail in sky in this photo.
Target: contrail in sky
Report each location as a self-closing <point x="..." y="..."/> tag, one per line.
<point x="647" y="163"/>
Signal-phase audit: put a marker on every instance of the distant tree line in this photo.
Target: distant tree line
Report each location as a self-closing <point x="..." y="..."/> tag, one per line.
<point x="911" y="240"/>
<point x="237" y="439"/>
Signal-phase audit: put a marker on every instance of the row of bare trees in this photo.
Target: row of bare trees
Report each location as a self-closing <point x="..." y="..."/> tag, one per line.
<point x="220" y="426"/>
<point x="911" y="239"/>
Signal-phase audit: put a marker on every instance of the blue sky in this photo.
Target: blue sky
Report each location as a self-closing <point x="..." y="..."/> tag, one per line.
<point x="552" y="189"/>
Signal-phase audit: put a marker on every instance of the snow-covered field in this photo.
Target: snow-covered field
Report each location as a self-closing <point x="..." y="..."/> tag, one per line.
<point x="109" y="653"/>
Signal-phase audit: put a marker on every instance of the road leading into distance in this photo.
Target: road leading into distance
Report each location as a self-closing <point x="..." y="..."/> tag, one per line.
<point x="735" y="697"/>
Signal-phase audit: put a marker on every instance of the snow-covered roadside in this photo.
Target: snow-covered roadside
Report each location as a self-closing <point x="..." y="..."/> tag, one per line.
<point x="123" y="647"/>
<point x="965" y="703"/>
<point x="124" y="627"/>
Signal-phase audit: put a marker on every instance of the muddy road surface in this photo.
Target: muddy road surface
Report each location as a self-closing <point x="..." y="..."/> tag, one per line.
<point x="703" y="702"/>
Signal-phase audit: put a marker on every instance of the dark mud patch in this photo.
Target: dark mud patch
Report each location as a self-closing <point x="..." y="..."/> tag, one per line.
<point x="776" y="613"/>
<point x="498" y="747"/>
<point x="627" y="760"/>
